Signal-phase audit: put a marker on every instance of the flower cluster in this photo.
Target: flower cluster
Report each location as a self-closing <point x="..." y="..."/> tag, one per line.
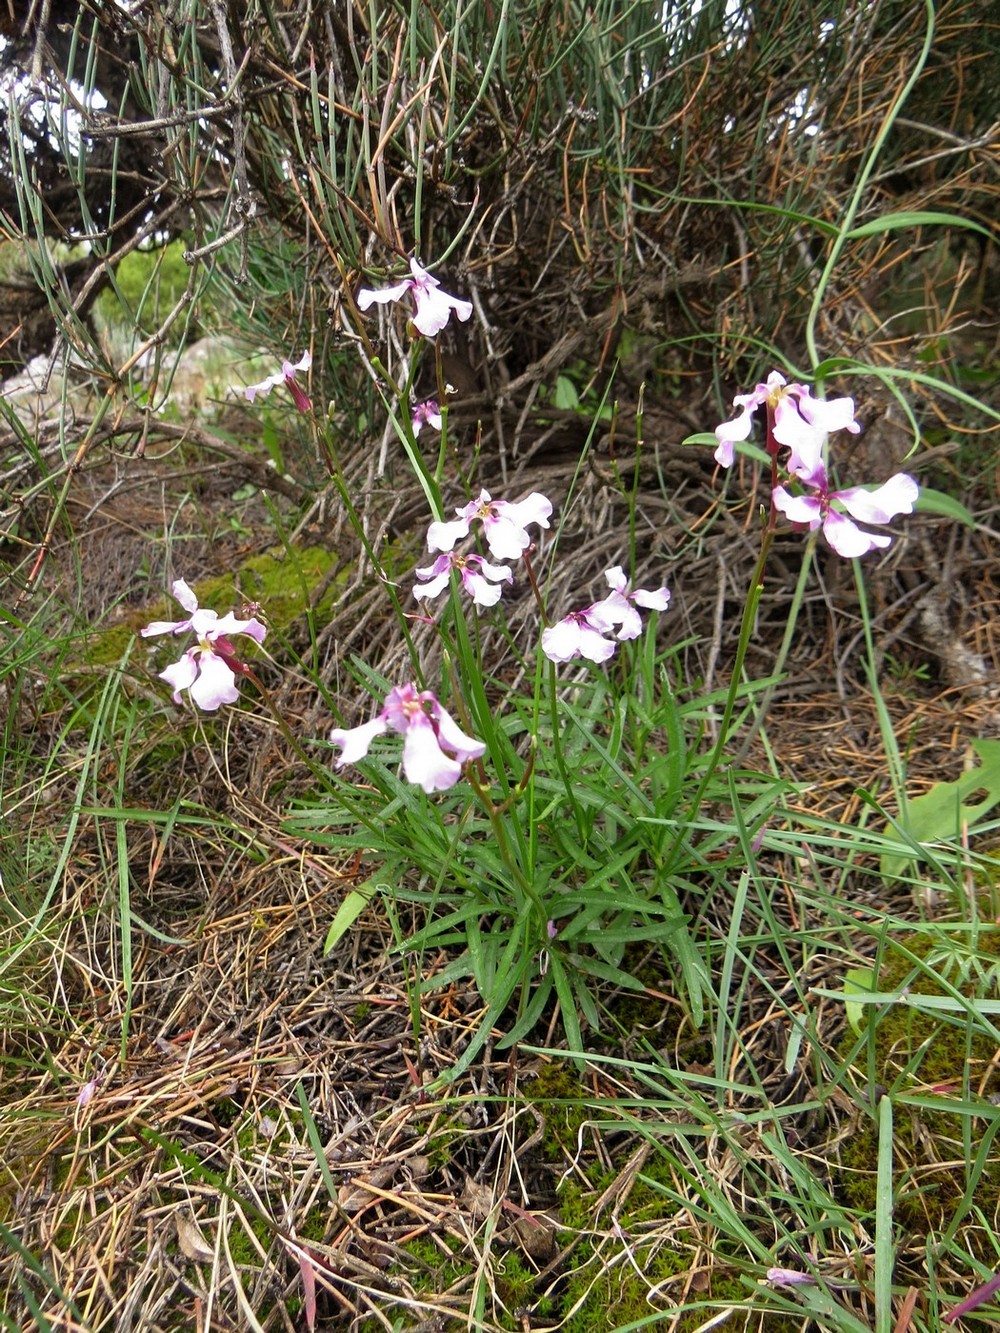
<point x="480" y="579"/>
<point x="800" y="423"/>
<point x="434" y="746"/>
<point x="209" y="668"/>
<point x="435" y="749"/>
<point x="505" y="528"/>
<point x="433" y="306"/>
<point x="584" y="633"/>
<point x="504" y="523"/>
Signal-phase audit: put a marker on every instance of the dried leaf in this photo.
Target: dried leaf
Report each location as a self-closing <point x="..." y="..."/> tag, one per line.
<point x="193" y="1244"/>
<point x="308" y="1288"/>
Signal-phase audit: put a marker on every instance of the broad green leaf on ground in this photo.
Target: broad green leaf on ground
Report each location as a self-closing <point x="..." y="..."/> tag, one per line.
<point x="942" y="813"/>
<point x="349" y="911"/>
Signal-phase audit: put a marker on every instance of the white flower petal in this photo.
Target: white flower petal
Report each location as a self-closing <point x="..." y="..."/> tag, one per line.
<point x="498" y="573"/>
<point x="454" y="738"/>
<point x="896" y="496"/>
<point x="482" y="592"/>
<point x="434" y="588"/>
<point x="165" y="627"/>
<point x="797" y="508"/>
<point x="216" y="683"/>
<point x="424" y="762"/>
<point x="561" y="642"/>
<point x="434" y="308"/>
<point x="355" y="741"/>
<point x="263" y="388"/>
<point x="847" y="539"/>
<point x="534" y="508"/>
<point x="180" y="675"/>
<point x="183" y="594"/>
<point x="442" y="536"/>
<point x="229" y="624"/>
<point x="368" y="296"/>
<point x="652" y="599"/>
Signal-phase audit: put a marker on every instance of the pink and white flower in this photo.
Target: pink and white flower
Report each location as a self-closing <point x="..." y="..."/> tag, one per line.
<point x="433" y="306"/>
<point x="286" y="375"/>
<point x="426" y="413"/>
<point x="896" y="496"/>
<point x="434" y="746"/>
<point x="620" y="604"/>
<point x="209" y="668"/>
<point x="505" y="524"/>
<point x="480" y="579"/>
<point x="580" y="634"/>
<point x="801" y="422"/>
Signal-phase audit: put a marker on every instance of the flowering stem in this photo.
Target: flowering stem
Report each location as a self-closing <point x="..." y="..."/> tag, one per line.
<point x="786" y="643"/>
<point x="494" y="814"/>
<point x="355" y="518"/>
<point x="428" y="484"/>
<point x="746" y="625"/>
<point x="746" y="629"/>
<point x="530" y="571"/>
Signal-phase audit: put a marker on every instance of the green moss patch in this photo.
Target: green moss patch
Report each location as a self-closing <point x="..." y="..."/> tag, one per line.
<point x="937" y="1066"/>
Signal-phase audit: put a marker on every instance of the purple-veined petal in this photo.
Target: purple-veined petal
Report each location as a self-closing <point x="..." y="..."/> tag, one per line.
<point x="402" y="702"/>
<point x="442" y="565"/>
<point x="428" y="413"/>
<point x="896" y="496"/>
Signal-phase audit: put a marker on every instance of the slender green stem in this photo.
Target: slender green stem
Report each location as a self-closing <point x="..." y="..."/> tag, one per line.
<point x="791" y="625"/>
<point x="746" y="629"/>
